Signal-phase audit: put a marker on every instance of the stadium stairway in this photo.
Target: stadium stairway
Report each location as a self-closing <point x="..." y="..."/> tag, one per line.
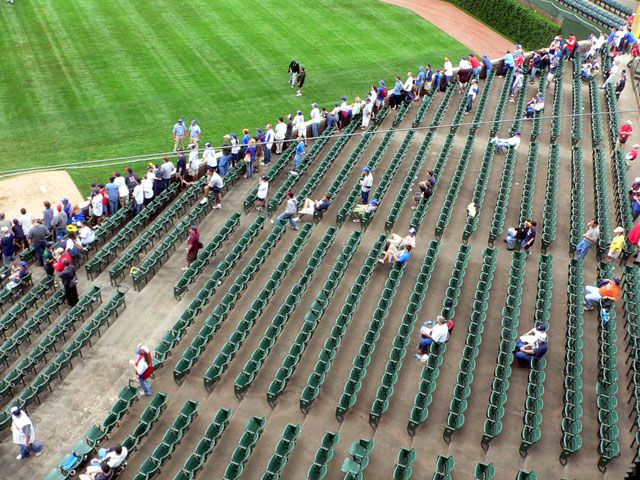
<point x="93" y="385"/>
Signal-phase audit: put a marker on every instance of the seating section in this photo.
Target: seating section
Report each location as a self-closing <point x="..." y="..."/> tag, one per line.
<point x="273" y="172"/>
<point x="485" y="471"/>
<point x="481" y="106"/>
<point x="151" y="466"/>
<point x="572" y="412"/>
<point x="173" y="336"/>
<point x="205" y="446"/>
<point x="244" y="326"/>
<point x="526" y="204"/>
<point x="318" y="469"/>
<point x="533" y="404"/>
<point x="630" y="291"/>
<point x="462" y="389"/>
<point x="479" y="191"/>
<point x="500" y="213"/>
<point x="130" y="230"/>
<point x="331" y="345"/>
<point x="615" y="7"/>
<point x="253" y="365"/>
<point x="403" y="469"/>
<point x="556" y="121"/>
<point x="403" y="337"/>
<point x="255" y="427"/>
<point x="354" y="466"/>
<point x="536" y="127"/>
<point x="577" y="200"/>
<point x="38" y="354"/>
<point x="431" y="371"/>
<point x="550" y="212"/>
<point x="508" y="334"/>
<point x="205" y="255"/>
<point x="444" y="467"/>
<point x="595" y="13"/>
<point x="601" y="199"/>
<point x="21" y="308"/>
<point x="283" y="449"/>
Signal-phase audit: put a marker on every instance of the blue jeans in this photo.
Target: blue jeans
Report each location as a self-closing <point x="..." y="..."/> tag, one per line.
<point x="145" y="384"/>
<point x="9" y="260"/>
<point x="527" y="250"/>
<point x="139" y="207"/>
<point x="250" y="169"/>
<point x="113" y="206"/>
<point x="476" y="73"/>
<point x="592" y="295"/>
<point x="287" y="216"/>
<point x="267" y="155"/>
<point x="447" y="78"/>
<point x="224" y="164"/>
<point x="296" y="161"/>
<point x="365" y="197"/>
<point x="39" y="248"/>
<point x="331" y="122"/>
<point x="425" y="343"/>
<point x="511" y="241"/>
<point x="314" y="129"/>
<point x="469" y="103"/>
<point x="32" y="448"/>
<point x="524" y="359"/>
<point x="534" y="70"/>
<point x="583" y="248"/>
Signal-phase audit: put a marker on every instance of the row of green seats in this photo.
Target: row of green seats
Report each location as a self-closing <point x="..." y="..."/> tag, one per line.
<point x="601" y="199"/>
<point x="175" y="334"/>
<point x="205" y="255"/>
<point x="273" y="172"/>
<point x="38" y="291"/>
<point x="431" y="371"/>
<point x="404" y="108"/>
<point x="631" y="296"/>
<point x="597" y="133"/>
<point x="571" y="440"/>
<point x="479" y="192"/>
<point x="550" y="210"/>
<point x="612" y="116"/>
<point x="244" y="326"/>
<point x="387" y="176"/>
<point x="74" y="348"/>
<point x="502" y="202"/>
<point x="444" y="467"/>
<point x="556" y="120"/>
<point x="403" y="338"/>
<point x="253" y="431"/>
<point x="576" y="228"/>
<point x="39" y="353"/>
<point x="285" y="446"/>
<point x="245" y="378"/>
<point x="205" y="446"/>
<point x="34" y="323"/>
<point x="454" y="187"/>
<point x="363" y="358"/>
<point x="444" y="105"/>
<point x="576" y="119"/>
<point x="172" y="437"/>
<point x="462" y="110"/>
<point x="426" y="103"/>
<point x="615" y="7"/>
<point x="528" y="189"/>
<point x="9" y="296"/>
<point x="408" y="182"/>
<point x="462" y="390"/>
<point x="110" y="250"/>
<point x="520" y="110"/>
<point x="148" y="418"/>
<point x="481" y="107"/>
<point x="403" y="469"/>
<point x="597" y="14"/>
<point x="315" y="313"/>
<point x="622" y="200"/>
<point x="496" y="125"/>
<point x="533" y="404"/>
<point x="536" y="128"/>
<point x="354" y="466"/>
<point x="159" y="227"/>
<point x="291" y="180"/>
<point x="324" y="455"/>
<point x="508" y="334"/>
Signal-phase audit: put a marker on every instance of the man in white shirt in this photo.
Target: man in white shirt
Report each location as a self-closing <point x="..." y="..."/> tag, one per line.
<point x="166" y="169"/>
<point x="438" y="334"/>
<point x="26" y="221"/>
<point x="24" y="433"/>
<point x="147" y="187"/>
<point x="502" y="143"/>
<point x="298" y="125"/>
<point x="97" y="205"/>
<point x="209" y="156"/>
<point x="194" y="162"/>
<point x="269" y="137"/>
<point x="408" y="85"/>
<point x="138" y="196"/>
<point x="612" y="74"/>
<point x="281" y="131"/>
<point x="315" y="119"/>
<point x="365" y="184"/>
<point x="214" y="184"/>
<point x="366" y="114"/>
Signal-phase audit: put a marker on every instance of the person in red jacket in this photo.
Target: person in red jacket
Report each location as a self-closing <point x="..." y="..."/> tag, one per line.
<point x="58" y="259"/>
<point x="634" y="238"/>
<point x="143" y="366"/>
<point x="570" y="45"/>
<point x="625" y="131"/>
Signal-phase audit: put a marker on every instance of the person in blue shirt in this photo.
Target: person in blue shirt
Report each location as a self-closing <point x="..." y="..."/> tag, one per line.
<point x="300" y="152"/>
<point x="471" y="95"/>
<point x="419" y="83"/>
<point x="528" y="352"/>
<point x="436" y="79"/>
<point x="179" y="132"/>
<point x="428" y="79"/>
<point x="393" y="255"/>
<point x="47" y="214"/>
<point x="508" y="62"/>
<point x="113" y="195"/>
<point x="250" y="157"/>
<point x="8" y="247"/>
<point x="194" y="133"/>
<point x="396" y="95"/>
<point x="488" y="66"/>
<point x="244" y="142"/>
<point x="66" y="205"/>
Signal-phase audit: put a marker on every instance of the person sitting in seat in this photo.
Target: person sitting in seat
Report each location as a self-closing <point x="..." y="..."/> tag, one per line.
<point x="425" y="191"/>
<point x="502" y="143"/>
<point x="360" y="210"/>
<point x="399" y="242"/>
<point x="606" y="289"/>
<point x="114" y="457"/>
<point x="529" y="351"/>
<point x="439" y="333"/>
<point x="17" y="274"/>
<point x="86" y="234"/>
<point x="394" y="255"/>
<point x="103" y="472"/>
<point x="309" y="207"/>
<point x="536" y="104"/>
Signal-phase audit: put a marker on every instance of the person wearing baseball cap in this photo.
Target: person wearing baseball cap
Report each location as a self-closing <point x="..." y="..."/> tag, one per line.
<point x="605" y="289"/>
<point x="381" y="95"/>
<point x="299" y="126"/>
<point x="630" y="157"/>
<point x="194" y="133"/>
<point x="24" y="433"/>
<point x="315" y="120"/>
<point x="615" y="249"/>
<point x="367" y="113"/>
<point x="366" y="184"/>
<point x="179" y="132"/>
<point x="8" y="246"/>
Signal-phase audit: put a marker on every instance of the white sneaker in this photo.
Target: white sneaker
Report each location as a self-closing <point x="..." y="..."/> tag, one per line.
<point x="296" y="219"/>
<point x="204" y="201"/>
<point x="413" y="207"/>
<point x="40" y="452"/>
<point x="381" y="261"/>
<point x="298" y="94"/>
<point x="184" y="269"/>
<point x="218" y="206"/>
<point x="19" y="457"/>
<point x="272" y="221"/>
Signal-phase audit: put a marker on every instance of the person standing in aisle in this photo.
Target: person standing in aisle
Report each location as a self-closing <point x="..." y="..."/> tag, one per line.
<point x="281" y="131"/>
<point x="70" y="282"/>
<point x="24" y="433"/>
<point x="269" y="137"/>
<point x="366" y="183"/>
<point x="143" y="366"/>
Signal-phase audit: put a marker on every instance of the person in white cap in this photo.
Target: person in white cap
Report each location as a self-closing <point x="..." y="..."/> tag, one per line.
<point x="194" y="162"/>
<point x="179" y="132"/>
<point x="615" y="249"/>
<point x="24" y="433"/>
<point x="209" y="156"/>
<point x="298" y="125"/>
<point x="630" y="157"/>
<point x="366" y="114"/>
<point x="315" y="119"/>
<point x="281" y="131"/>
<point x="143" y="366"/>
<point x="194" y="133"/>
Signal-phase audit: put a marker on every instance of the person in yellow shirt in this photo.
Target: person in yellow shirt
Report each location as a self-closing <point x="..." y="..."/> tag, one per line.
<point x="615" y="249"/>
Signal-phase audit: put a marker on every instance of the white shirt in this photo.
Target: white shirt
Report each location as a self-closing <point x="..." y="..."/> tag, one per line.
<point x="440" y="333"/>
<point x="344" y="107"/>
<point x="236" y="145"/>
<point x="96" y="204"/>
<point x="298" y="122"/>
<point x="138" y="194"/>
<point x="408" y="85"/>
<point x="281" y="131"/>
<point x="600" y="41"/>
<point x="209" y="156"/>
<point x="315" y="115"/>
<point x="464" y="65"/>
<point x="114" y="460"/>
<point x="167" y="169"/>
<point x="263" y="188"/>
<point x="513" y="141"/>
<point x="119" y="181"/>
<point x="368" y="108"/>
<point x="26" y="221"/>
<point x="367" y="183"/>
<point x="17" y="426"/>
<point x="448" y="68"/>
<point x="216" y="180"/>
<point x="147" y="186"/>
<point x="123" y="190"/>
<point x="269" y="136"/>
<point x="86" y="235"/>
<point x="194" y="161"/>
<point x="614" y="69"/>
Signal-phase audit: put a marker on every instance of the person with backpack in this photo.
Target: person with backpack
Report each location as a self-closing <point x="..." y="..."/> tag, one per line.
<point x="143" y="366"/>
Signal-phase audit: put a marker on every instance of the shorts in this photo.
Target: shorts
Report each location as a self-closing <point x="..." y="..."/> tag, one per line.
<point x="191" y="256"/>
<point x="216" y="190"/>
<point x="378" y="103"/>
<point x="417" y="88"/>
<point x="613" y="255"/>
<point x="193" y="172"/>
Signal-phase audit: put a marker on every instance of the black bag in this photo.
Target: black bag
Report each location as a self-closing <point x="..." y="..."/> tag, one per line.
<point x="200" y="245"/>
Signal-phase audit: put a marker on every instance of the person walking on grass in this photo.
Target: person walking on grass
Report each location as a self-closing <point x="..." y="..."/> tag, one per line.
<point x="290" y="211"/>
<point x="366" y="184"/>
<point x="194" y="133"/>
<point x="301" y="79"/>
<point x="24" y="433"/>
<point x="143" y="367"/>
<point x="179" y="132"/>
<point x="293" y="70"/>
<point x="193" y="245"/>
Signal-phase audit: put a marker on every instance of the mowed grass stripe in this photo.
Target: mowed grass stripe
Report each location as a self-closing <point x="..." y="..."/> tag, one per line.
<point x="141" y="65"/>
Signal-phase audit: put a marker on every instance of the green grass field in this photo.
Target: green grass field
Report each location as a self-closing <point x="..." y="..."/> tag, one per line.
<point x="92" y="79"/>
